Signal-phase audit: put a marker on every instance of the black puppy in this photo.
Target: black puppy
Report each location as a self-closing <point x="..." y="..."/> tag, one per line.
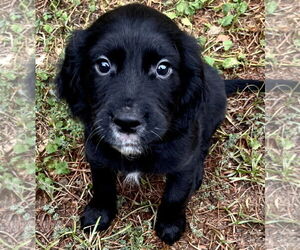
<point x="149" y="104"/>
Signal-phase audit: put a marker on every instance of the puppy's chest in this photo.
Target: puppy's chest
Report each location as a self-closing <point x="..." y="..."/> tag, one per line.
<point x="133" y="170"/>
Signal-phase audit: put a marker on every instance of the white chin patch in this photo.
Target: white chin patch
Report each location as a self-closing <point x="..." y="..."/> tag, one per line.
<point x="133" y="178"/>
<point x="127" y="144"/>
<point x="129" y="150"/>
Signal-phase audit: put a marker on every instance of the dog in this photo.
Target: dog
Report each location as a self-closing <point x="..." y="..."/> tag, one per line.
<point x="148" y="103"/>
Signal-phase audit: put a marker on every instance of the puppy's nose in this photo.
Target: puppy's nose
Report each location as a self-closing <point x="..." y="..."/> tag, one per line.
<point x="127" y="123"/>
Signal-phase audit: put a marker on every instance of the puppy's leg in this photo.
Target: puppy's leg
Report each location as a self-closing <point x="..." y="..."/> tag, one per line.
<point x="103" y="204"/>
<point x="199" y="169"/>
<point x="171" y="220"/>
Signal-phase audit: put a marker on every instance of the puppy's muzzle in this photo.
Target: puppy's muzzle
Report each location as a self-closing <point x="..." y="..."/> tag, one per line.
<point x="126" y="122"/>
<point x="127" y="127"/>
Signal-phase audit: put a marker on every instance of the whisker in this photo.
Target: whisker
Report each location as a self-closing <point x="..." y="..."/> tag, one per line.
<point x="151" y="131"/>
<point x="95" y="131"/>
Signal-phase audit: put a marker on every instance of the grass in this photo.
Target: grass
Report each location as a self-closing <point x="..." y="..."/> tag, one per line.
<point x="228" y="211"/>
<point x="283" y="186"/>
<point x="282" y="130"/>
<point x="17" y="131"/>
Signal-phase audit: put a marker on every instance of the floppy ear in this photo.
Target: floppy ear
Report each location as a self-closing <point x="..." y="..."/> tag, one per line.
<point x="191" y="72"/>
<point x="68" y="80"/>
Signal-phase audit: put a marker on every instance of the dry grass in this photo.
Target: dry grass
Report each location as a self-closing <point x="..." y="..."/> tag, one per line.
<point x="228" y="210"/>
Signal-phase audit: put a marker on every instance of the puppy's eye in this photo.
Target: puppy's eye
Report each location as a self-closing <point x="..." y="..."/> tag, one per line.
<point x="103" y="66"/>
<point x="163" y="69"/>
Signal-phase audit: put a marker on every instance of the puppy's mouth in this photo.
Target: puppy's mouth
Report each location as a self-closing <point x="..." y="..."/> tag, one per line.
<point x="127" y="144"/>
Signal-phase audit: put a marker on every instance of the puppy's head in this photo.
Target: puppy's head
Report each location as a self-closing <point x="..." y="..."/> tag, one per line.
<point x="131" y="77"/>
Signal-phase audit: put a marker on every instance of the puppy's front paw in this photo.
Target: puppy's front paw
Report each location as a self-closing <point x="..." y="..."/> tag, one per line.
<point x="170" y="231"/>
<point x="91" y="215"/>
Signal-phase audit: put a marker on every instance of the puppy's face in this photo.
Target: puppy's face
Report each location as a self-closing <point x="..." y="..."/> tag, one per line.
<point x="128" y="74"/>
<point x="133" y="78"/>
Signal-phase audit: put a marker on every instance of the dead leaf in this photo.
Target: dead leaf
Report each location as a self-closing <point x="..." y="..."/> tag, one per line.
<point x="214" y="30"/>
<point x="222" y="38"/>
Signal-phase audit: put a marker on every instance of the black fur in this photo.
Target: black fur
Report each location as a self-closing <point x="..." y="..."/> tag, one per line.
<point x="175" y="117"/>
<point x="232" y="86"/>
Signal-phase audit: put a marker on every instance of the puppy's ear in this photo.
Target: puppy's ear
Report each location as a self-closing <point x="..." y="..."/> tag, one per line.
<point x="191" y="72"/>
<point x="68" y="80"/>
